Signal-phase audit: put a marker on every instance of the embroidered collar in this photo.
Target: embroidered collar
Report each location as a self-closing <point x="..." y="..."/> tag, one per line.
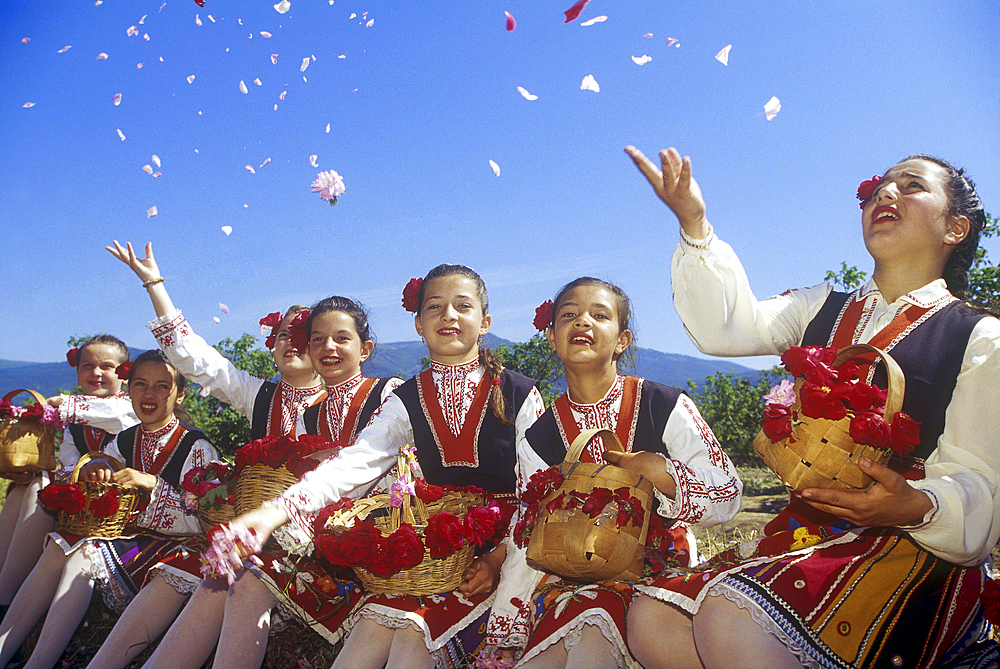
<point x="344" y="389"/>
<point x="299" y="394"/>
<point x="461" y="370"/>
<point x="605" y="403"/>
<point x="162" y="432"/>
<point x="925" y="296"/>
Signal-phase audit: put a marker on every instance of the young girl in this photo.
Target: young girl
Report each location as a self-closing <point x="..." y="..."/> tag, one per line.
<point x="558" y="623"/>
<point x="93" y="418"/>
<point x="272" y="408"/>
<point x="465" y="416"/>
<point x="886" y="577"/>
<point x="156" y="454"/>
<point x="339" y="342"/>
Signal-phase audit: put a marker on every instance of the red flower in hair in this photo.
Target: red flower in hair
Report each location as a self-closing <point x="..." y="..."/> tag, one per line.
<point x="867" y="189"/>
<point x="124" y="370"/>
<point x="270" y="321"/>
<point x="543" y="316"/>
<point x="297" y="331"/>
<point x="410" y="293"/>
<point x="72" y="355"/>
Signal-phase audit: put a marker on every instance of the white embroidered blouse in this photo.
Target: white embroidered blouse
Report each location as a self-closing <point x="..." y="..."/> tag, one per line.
<point x="111" y="414"/>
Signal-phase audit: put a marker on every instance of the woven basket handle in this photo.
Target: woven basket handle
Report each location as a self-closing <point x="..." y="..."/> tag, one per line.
<point x="38" y="398"/>
<point x="611" y="443"/>
<point x="896" y="380"/>
<point x="87" y="457"/>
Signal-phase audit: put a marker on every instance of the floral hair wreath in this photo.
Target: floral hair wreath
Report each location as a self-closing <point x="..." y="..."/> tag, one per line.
<point x="411" y="295"/>
<point x="543" y="316"/>
<point x="267" y="326"/>
<point x="124" y="370"/>
<point x="867" y="189"/>
<point x="72" y="355"/>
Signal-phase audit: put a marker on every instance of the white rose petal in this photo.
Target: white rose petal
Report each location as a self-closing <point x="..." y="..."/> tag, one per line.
<point x="116" y="99"/>
<point x="64" y="49"/>
<point x="156" y="160"/>
<point x="151" y="212"/>
<point x="772" y="108"/>
<point x="223" y="308"/>
<point x="641" y="60"/>
<point x="250" y="169"/>
<point x="525" y="94"/>
<point x="243" y="87"/>
<point x="495" y="168"/>
<point x="102" y="56"/>
<point x="148" y="169"/>
<point x="282" y="6"/>
<point x="589" y="84"/>
<point x="190" y="78"/>
<point x="723" y="56"/>
<point x="596" y="19"/>
<point x="120" y="133"/>
<point x="312" y="160"/>
<point x="228" y="229"/>
<point x="305" y="64"/>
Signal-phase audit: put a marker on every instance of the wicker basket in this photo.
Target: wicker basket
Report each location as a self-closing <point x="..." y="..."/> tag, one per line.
<point x="84" y="523"/>
<point x="574" y="545"/>
<point x="432" y="575"/>
<point x="208" y="518"/>
<point x="824" y="455"/>
<point x="260" y="483"/>
<point x="26" y="445"/>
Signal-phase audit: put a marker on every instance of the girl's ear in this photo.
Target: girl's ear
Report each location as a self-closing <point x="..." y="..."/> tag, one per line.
<point x="624" y="341"/>
<point x="550" y="335"/>
<point x="181" y="394"/>
<point x="419" y="326"/>
<point x="485" y="325"/>
<point x="958" y="229"/>
<point x="366" y="349"/>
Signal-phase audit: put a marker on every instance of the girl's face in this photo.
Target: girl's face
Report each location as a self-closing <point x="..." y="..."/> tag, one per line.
<point x="451" y="319"/>
<point x="585" y="330"/>
<point x="907" y="217"/>
<point x="289" y="360"/>
<point x="154" y="394"/>
<point x="95" y="370"/>
<point x="335" y="348"/>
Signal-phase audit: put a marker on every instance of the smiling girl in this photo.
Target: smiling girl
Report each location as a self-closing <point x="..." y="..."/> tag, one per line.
<point x="885" y="577"/>
<point x="465" y="416"/>
<point x="564" y="624"/>
<point x="157" y="454"/>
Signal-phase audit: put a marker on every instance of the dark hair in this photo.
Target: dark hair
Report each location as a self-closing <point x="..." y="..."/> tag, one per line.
<point x="156" y="355"/>
<point x="623" y="306"/>
<point x="349" y="307"/>
<point x="107" y="340"/>
<point x="489" y="359"/>
<point x="962" y="201"/>
<point x="291" y="311"/>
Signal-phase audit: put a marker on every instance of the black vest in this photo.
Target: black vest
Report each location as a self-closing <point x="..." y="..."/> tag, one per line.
<point x="374" y="401"/>
<point x="930" y="356"/>
<point x="261" y="409"/>
<point x="80" y="441"/>
<point x="497" y="445"/>
<point x="171" y="472"/>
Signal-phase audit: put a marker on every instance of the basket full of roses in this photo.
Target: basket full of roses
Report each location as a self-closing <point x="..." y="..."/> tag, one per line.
<point x="91" y="508"/>
<point x="268" y="466"/>
<point x="417" y="540"/>
<point x="815" y="430"/>
<point x="27" y="435"/>
<point x="209" y="493"/>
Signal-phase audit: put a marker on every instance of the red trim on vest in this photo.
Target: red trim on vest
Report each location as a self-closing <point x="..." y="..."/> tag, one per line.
<point x="463" y="450"/>
<point x="161" y="460"/>
<point x="274" y="424"/>
<point x="323" y="426"/>
<point x="627" y="416"/>
<point x="94" y="438"/>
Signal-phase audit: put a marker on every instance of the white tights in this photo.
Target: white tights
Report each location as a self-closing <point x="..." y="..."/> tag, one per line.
<point x="372" y="646"/>
<point x="592" y="651"/>
<point x="23" y="526"/>
<point x="58" y="584"/>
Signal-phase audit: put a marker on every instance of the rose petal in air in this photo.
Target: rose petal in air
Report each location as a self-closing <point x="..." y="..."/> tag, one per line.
<point x="266" y="161"/>
<point x="64" y="49"/>
<point x="250" y="169"/>
<point x="190" y="78"/>
<point x="282" y="6"/>
<point x="120" y="133"/>
<point x="138" y="66"/>
<point x="596" y="19"/>
<point x="148" y="169"/>
<point x="305" y="64"/>
<point x="243" y="87"/>
<point x="145" y="36"/>
<point x="156" y="160"/>
<point x="641" y="60"/>
<point x="648" y="35"/>
<point x="282" y="96"/>
<point x="328" y="128"/>
<point x="142" y="21"/>
<point x="157" y="175"/>
<point x="257" y="81"/>
<point x="274" y="58"/>
<point x="525" y="94"/>
<point x="151" y="212"/>
<point x="102" y="56"/>
<point x="162" y="6"/>
<point x="116" y="99"/>
<point x="210" y="18"/>
<point x="265" y="34"/>
<point x="25" y="40"/>
<point x="370" y="23"/>
<point x="27" y="105"/>
<point x="589" y="84"/>
<point x="228" y="229"/>
<point x="216" y="319"/>
<point x="511" y="23"/>
<point x="772" y="108"/>
<point x="223" y="308"/>
<point x="575" y="10"/>
<point x="673" y="41"/>
<point x="312" y="160"/>
<point x="495" y="168"/>
<point x="197" y="20"/>
<point x="351" y="16"/>
<point x="723" y="56"/>
<point x="132" y="30"/>
<point x="341" y="56"/>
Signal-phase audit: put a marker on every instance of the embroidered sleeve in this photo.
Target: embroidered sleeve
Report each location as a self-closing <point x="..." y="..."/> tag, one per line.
<point x="111" y="414"/>
<point x="709" y="491"/>
<point x="165" y="512"/>
<point x="202" y="364"/>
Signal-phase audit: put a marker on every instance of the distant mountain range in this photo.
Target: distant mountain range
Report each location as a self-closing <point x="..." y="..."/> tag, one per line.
<point x="392" y="359"/>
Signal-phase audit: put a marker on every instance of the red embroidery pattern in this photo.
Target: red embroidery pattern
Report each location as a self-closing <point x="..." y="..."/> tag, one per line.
<point x="287" y="406"/>
<point x="456" y="450"/>
<point x="341" y="409"/>
<point x="172" y="331"/>
<point x="618" y="408"/>
<point x="456" y="391"/>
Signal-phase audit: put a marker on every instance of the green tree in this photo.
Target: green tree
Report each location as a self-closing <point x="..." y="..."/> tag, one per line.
<point x="984" y="278"/>
<point x="848" y="277"/>
<point x="536" y="360"/>
<point x="733" y="407"/>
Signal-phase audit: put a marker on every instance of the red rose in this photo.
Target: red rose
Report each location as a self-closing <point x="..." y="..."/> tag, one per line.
<point x="410" y="295"/>
<point x="310" y="443"/>
<point x="219" y="469"/>
<point x="811" y="362"/>
<point x="33" y="412"/>
<point x="328" y="547"/>
<point x="867" y="189"/>
<point x="360" y="545"/>
<point x="869" y="428"/>
<point x="599" y="498"/>
<point x="105" y="505"/>
<point x="405" y="547"/>
<point x="480" y="525"/>
<point x="300" y="465"/>
<point x="777" y="422"/>
<point x="990" y="599"/>
<point x="543" y="316"/>
<point x="271" y="320"/>
<point x="123" y="370"/>
<point x="427" y="492"/>
<point x="65" y="497"/>
<point x="904" y="433"/>
<point x="298" y="337"/>
<point x="657" y="531"/>
<point x="819" y="402"/>
<point x="269" y="342"/>
<point x="72" y="356"/>
<point x="444" y="534"/>
<point x="6" y="409"/>
<point x="859" y="395"/>
<point x="278" y="453"/>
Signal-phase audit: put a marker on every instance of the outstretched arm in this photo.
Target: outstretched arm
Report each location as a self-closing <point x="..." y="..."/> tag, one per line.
<point x="674" y="184"/>
<point x="148" y="272"/>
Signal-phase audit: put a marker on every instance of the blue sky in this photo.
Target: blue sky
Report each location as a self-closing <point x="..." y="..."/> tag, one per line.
<point x="421" y="101"/>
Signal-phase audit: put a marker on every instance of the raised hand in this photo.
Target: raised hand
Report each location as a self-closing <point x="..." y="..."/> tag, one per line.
<point x="145" y="269"/>
<point x="674" y="184"/>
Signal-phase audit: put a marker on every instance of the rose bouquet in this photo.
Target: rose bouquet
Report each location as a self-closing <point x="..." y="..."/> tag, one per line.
<point x="209" y="493"/>
<point x="829" y="403"/>
<point x="267" y="466"/>
<point x="92" y="508"/>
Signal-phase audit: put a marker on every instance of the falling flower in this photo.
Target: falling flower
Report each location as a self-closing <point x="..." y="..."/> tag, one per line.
<point x="250" y="169"/>
<point x="147" y="169"/>
<point x="266" y="161"/>
<point x="596" y="19"/>
<point x="151" y="212"/>
<point x="102" y="56"/>
<point x="328" y="128"/>
<point x="64" y="49"/>
<point x="305" y="64"/>
<point x="525" y="94"/>
<point x="156" y="160"/>
<point x="27" y="105"/>
<point x="116" y="99"/>
<point x="282" y="6"/>
<point x="351" y="16"/>
<point x="265" y="34"/>
<point x="673" y="41"/>
<point x="772" y="108"/>
<point x="145" y="36"/>
<point x="138" y="66"/>
<point x="274" y="59"/>
<point x="197" y="20"/>
<point x="312" y="160"/>
<point x="210" y="18"/>
<point x="723" y="56"/>
<point x="223" y="308"/>
<point x="575" y="10"/>
<point x="190" y="78"/>
<point x="228" y="229"/>
<point x="243" y="87"/>
<point x="142" y="21"/>
<point x="641" y="60"/>
<point x="157" y="175"/>
<point x="495" y="168"/>
<point x="511" y="23"/>
<point x="589" y="84"/>
<point x="282" y="96"/>
<point x="120" y="133"/>
<point x="329" y="185"/>
<point x="341" y="56"/>
<point x="370" y="23"/>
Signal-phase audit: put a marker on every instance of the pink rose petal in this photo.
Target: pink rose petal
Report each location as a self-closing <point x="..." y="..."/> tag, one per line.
<point x="27" y="105"/>
<point x="132" y="31"/>
<point x="25" y="40"/>
<point x="197" y="20"/>
<point x="312" y="160"/>
<point x="116" y="99"/>
<point x="274" y="58"/>
<point x="190" y="78"/>
<point x="216" y="319"/>
<point x="64" y="49"/>
<point x="223" y="308"/>
<point x="370" y="23"/>
<point x="673" y="41"/>
<point x="282" y="96"/>
<point x="250" y="169"/>
<point x="102" y="56"/>
<point x="511" y="23"/>
<point x="265" y="34"/>
<point x="648" y="35"/>
<point x="575" y="10"/>
<point x="495" y="168"/>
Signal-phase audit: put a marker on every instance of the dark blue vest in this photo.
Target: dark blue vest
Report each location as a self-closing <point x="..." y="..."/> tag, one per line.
<point x="374" y="401"/>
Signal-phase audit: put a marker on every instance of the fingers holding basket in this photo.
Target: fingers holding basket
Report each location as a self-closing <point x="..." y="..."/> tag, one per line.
<point x="483" y="574"/>
<point x="97" y="471"/>
<point x="645" y="463"/>
<point x="134" y="477"/>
